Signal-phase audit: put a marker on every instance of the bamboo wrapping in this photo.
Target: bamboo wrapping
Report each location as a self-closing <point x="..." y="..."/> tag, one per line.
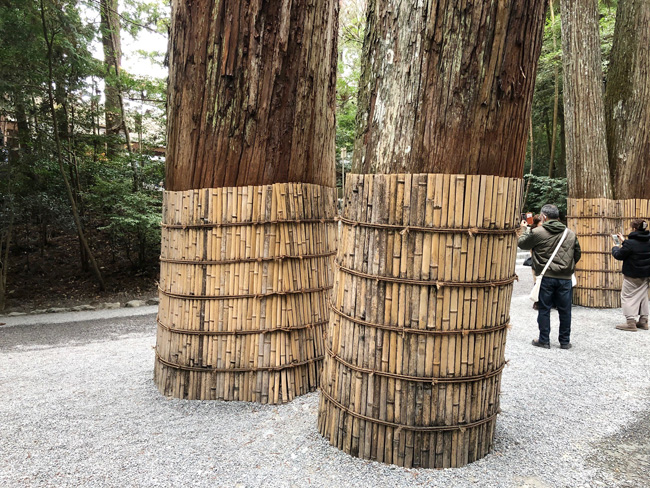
<point x="420" y="307"/>
<point x="245" y="277"/>
<point x="595" y="220"/>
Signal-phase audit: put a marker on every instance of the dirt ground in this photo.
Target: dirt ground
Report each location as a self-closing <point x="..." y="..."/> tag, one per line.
<point x="55" y="278"/>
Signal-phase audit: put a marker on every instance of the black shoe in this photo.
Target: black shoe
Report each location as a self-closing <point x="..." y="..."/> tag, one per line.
<point x="545" y="345"/>
<point x="566" y="346"/>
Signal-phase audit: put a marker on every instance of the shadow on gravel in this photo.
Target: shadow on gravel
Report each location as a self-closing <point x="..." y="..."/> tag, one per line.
<point x="25" y="337"/>
<point x="626" y="454"/>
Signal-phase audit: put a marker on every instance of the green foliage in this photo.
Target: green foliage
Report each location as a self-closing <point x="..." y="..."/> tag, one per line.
<point x="352" y="24"/>
<point x="147" y="97"/>
<point x="151" y="15"/>
<point x="118" y="198"/>
<point x="40" y="197"/>
<point x="345" y="128"/>
<point x="607" y="20"/>
<point x="35" y="183"/>
<point x="543" y="190"/>
<point x="130" y="218"/>
<point x="19" y="29"/>
<point x="549" y="71"/>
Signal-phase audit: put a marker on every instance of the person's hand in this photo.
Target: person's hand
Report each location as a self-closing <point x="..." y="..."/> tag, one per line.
<point x="620" y="237"/>
<point x="523" y="227"/>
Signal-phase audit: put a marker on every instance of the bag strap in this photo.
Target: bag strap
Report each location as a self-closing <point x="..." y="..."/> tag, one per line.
<point x="548" y="263"/>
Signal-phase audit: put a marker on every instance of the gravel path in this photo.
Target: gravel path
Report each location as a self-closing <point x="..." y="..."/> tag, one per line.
<point x="79" y="408"/>
<point x="67" y="317"/>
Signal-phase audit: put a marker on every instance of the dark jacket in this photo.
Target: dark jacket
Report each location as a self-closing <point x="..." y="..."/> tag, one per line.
<point x="543" y="240"/>
<point x="635" y="254"/>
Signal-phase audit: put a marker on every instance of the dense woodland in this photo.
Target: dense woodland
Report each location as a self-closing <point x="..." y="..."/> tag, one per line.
<point x="83" y="140"/>
<point x="82" y="149"/>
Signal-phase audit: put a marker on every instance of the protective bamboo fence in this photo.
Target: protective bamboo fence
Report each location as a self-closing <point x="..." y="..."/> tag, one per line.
<point x="594" y="221"/>
<point x="245" y="278"/>
<point x="421" y="300"/>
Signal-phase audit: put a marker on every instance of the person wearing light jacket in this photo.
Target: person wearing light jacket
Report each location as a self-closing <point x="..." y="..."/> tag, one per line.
<point x="556" y="288"/>
<point x="635" y="254"/>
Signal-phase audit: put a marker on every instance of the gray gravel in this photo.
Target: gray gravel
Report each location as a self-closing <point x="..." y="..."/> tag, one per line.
<point x="66" y="317"/>
<point x="79" y="408"/>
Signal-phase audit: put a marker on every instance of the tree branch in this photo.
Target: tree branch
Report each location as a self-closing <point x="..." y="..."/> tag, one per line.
<point x="126" y="19"/>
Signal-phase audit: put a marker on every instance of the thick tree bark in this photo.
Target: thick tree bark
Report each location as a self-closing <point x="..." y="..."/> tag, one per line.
<point x="556" y="96"/>
<point x="584" y="111"/>
<point x="627" y="101"/>
<point x="446" y="86"/>
<point x="251" y="93"/>
<point x="110" y="31"/>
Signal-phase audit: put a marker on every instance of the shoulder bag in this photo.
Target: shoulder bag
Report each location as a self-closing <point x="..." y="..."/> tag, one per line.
<point x="534" y="294"/>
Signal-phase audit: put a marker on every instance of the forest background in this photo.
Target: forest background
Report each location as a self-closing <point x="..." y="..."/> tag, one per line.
<point x="82" y="142"/>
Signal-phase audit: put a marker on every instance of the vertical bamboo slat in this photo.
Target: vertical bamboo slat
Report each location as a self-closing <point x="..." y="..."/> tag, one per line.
<point x="594" y="221"/>
<point x="245" y="277"/>
<point x="420" y="308"/>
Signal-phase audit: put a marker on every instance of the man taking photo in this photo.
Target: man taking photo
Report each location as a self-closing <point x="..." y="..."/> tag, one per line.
<point x="553" y="242"/>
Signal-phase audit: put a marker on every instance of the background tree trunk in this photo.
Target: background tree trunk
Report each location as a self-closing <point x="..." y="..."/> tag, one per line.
<point x="584" y="111"/>
<point x="251" y="93"/>
<point x="562" y="158"/>
<point x="49" y="42"/>
<point x="446" y="86"/>
<point x="532" y="156"/>
<point x="110" y="30"/>
<point x="5" y="241"/>
<point x="556" y="96"/>
<point x="627" y="101"/>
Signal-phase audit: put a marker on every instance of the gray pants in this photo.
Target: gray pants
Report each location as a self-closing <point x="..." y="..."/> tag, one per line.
<point x="634" y="297"/>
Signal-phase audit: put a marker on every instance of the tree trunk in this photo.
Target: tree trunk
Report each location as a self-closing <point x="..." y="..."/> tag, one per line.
<point x="556" y="96"/>
<point x="532" y="157"/>
<point x="547" y="129"/>
<point x="584" y="111"/>
<point x="59" y="150"/>
<point x="464" y="105"/>
<point x="446" y="87"/>
<point x="251" y="93"/>
<point x="5" y="244"/>
<point x="22" y="125"/>
<point x="75" y="182"/>
<point x="251" y="99"/>
<point x="627" y="101"/>
<point x="562" y="159"/>
<point x="110" y="31"/>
